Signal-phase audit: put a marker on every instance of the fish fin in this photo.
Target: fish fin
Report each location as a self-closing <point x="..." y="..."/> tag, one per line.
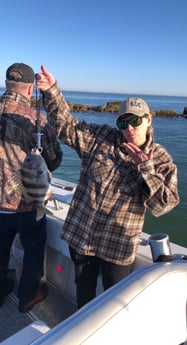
<point x="49" y="196"/>
<point x="41" y="211"/>
<point x="49" y="176"/>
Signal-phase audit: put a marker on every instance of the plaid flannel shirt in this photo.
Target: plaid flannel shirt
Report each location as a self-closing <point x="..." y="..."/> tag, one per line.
<point x="107" y="212"/>
<point x="17" y="128"/>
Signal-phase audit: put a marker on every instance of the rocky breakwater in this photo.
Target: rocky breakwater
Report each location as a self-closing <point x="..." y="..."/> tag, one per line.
<point x="110" y="107"/>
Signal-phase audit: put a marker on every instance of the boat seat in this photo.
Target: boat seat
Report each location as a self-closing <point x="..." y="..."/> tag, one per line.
<point x="27" y="334"/>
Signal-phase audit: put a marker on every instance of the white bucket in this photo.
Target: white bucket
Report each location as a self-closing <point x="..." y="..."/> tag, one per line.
<point x="18" y="253"/>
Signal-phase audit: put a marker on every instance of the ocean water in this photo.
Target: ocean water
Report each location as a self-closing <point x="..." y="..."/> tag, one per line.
<point x="170" y="132"/>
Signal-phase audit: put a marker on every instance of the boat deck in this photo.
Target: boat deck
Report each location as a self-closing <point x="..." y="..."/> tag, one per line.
<point x="54" y="309"/>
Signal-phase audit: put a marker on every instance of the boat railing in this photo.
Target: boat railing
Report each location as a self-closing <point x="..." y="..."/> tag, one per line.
<point x="122" y="313"/>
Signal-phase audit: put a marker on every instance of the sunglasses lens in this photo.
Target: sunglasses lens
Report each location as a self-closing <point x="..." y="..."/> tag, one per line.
<point x="123" y="124"/>
<point x="135" y="121"/>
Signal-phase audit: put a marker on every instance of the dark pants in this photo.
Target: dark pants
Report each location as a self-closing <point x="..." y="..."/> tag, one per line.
<point x="87" y="269"/>
<point x="33" y="240"/>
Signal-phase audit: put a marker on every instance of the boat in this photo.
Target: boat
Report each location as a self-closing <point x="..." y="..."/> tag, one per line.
<point x="147" y="307"/>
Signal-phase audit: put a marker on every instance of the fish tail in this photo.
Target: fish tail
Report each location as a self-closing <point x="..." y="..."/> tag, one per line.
<point x="41" y="212"/>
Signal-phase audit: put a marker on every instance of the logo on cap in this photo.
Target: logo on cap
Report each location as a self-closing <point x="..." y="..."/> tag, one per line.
<point x="135" y="104"/>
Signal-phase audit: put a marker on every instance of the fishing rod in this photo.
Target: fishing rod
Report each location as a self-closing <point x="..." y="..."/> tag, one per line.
<point x="37" y="134"/>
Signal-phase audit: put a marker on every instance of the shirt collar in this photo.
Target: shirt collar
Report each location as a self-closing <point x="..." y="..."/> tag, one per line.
<point x="14" y="96"/>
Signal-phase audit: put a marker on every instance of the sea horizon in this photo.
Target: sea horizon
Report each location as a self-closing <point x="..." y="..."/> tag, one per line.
<point x="124" y="93"/>
<point x="2" y="89"/>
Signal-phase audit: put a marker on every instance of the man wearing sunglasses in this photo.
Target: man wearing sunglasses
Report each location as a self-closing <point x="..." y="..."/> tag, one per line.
<point x="123" y="174"/>
<point x="134" y="121"/>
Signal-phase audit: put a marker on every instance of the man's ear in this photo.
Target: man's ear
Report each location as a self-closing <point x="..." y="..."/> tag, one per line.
<point x="30" y="90"/>
<point x="149" y="119"/>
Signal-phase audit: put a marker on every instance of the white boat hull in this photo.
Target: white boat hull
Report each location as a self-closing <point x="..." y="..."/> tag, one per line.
<point x="148" y="307"/>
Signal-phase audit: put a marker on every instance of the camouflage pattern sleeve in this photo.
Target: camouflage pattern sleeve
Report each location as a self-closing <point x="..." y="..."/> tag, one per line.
<point x="58" y="112"/>
<point x="52" y="152"/>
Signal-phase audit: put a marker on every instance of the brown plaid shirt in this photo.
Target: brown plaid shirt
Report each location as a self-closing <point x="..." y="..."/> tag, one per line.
<point x="17" y="128"/>
<point x="107" y="212"/>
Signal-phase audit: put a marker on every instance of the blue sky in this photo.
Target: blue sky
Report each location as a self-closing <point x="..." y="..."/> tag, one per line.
<point x="126" y="46"/>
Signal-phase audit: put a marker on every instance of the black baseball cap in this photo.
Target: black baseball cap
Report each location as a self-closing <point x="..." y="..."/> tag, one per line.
<point x="20" y="72"/>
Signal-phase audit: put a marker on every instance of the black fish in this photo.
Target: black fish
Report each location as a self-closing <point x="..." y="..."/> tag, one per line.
<point x="36" y="179"/>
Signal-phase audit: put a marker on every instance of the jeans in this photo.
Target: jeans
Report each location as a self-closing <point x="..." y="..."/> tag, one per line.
<point x="33" y="239"/>
<point x="87" y="269"/>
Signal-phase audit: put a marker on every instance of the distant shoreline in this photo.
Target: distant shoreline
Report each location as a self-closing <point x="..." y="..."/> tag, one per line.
<point x="111" y="107"/>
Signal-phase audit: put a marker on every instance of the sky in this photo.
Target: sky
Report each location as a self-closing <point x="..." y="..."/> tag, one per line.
<point x="120" y="46"/>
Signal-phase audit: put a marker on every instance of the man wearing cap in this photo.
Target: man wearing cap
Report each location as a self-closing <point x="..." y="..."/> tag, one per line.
<point x="123" y="174"/>
<point x="17" y="138"/>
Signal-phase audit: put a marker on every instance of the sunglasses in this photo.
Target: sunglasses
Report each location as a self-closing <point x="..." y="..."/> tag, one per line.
<point x="134" y="122"/>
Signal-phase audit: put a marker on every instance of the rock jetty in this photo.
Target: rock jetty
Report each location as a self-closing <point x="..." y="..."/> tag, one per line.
<point x="110" y="107"/>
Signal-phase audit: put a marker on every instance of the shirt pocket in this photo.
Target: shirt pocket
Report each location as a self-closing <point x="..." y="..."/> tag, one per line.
<point x="102" y="167"/>
<point x="129" y="180"/>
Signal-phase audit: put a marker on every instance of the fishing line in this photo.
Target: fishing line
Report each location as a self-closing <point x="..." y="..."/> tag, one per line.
<point x="38" y="133"/>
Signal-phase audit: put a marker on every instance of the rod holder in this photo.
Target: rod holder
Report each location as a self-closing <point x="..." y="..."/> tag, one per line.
<point x="160" y="247"/>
